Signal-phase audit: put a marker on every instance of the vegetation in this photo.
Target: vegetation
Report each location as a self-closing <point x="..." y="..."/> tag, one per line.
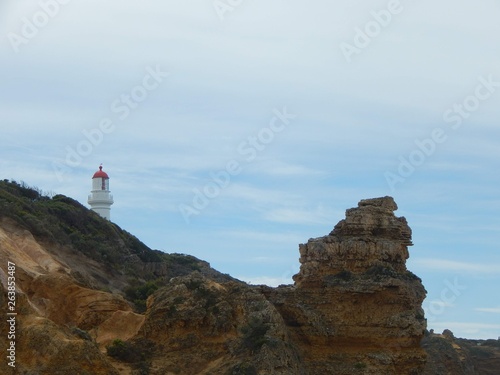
<point x="376" y="273"/>
<point x="360" y="365"/>
<point x="480" y="352"/>
<point x="243" y="369"/>
<point x="344" y="275"/>
<point x="136" y="352"/>
<point x="339" y="278"/>
<point x="254" y="334"/>
<point x="64" y="221"/>
<point x="492" y="342"/>
<point x="81" y="333"/>
<point x="139" y="292"/>
<point x="380" y="272"/>
<point x="207" y="295"/>
<point x="120" y="350"/>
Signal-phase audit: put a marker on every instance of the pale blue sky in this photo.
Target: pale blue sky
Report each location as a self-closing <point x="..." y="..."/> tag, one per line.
<point x="421" y="70"/>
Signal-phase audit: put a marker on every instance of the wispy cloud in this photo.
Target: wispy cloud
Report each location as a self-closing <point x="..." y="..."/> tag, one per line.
<point x="469" y="329"/>
<point x="279" y="168"/>
<point x="354" y="120"/>
<point x="317" y="215"/>
<point x="266" y="280"/>
<point x="451" y="265"/>
<point x="494" y="310"/>
<point x="441" y="304"/>
<point x="254" y="235"/>
<point x="260" y="195"/>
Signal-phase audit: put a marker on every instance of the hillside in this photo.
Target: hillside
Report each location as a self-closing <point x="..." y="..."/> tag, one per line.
<point x="448" y="355"/>
<point x="80" y="281"/>
<point x="98" y="253"/>
<point x="93" y="299"/>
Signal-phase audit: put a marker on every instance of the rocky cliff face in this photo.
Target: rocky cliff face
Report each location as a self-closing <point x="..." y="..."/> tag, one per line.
<point x="79" y="283"/>
<point x="354" y="308"/>
<point x="448" y="355"/>
<point x="205" y="327"/>
<point x="51" y="306"/>
<point x="370" y="236"/>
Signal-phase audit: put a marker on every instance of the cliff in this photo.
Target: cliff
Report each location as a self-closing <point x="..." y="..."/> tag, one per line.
<point x="81" y="282"/>
<point x="93" y="299"/>
<point x="354" y="307"/>
<point x="448" y="355"/>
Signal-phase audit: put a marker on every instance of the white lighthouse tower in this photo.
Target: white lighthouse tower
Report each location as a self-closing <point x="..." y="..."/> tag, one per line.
<point x="100" y="199"/>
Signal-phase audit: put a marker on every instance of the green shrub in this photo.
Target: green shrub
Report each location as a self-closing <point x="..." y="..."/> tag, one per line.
<point x="480" y="352"/>
<point x="243" y="369"/>
<point x="119" y="349"/>
<point x="139" y="294"/>
<point x="254" y="334"/>
<point x="131" y="352"/>
<point x="381" y="273"/>
<point x="194" y="284"/>
<point x="208" y="295"/>
<point x="81" y="333"/>
<point x="492" y="342"/>
<point x="64" y="221"/>
<point x="339" y="278"/>
<point x="360" y="365"/>
<point x="344" y="275"/>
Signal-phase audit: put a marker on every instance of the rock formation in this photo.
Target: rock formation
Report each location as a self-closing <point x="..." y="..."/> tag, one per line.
<point x="82" y="308"/>
<point x="51" y="306"/>
<point x="354" y="305"/>
<point x="205" y="327"/>
<point x="370" y="236"/>
<point x="448" y="355"/>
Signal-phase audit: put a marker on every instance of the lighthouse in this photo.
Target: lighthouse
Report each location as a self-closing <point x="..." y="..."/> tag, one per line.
<point x="100" y="199"/>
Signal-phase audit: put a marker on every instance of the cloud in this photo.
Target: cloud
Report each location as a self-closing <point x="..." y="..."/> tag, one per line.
<point x="270" y="237"/>
<point x="451" y="265"/>
<point x="469" y="329"/>
<point x="259" y="196"/>
<point x="354" y="121"/>
<point x="494" y="310"/>
<point x="439" y="304"/>
<point x="266" y="280"/>
<point x="317" y="215"/>
<point x="279" y="168"/>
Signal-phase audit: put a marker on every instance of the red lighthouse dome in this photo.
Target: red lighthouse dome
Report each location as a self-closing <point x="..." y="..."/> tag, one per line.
<point x="100" y="198"/>
<point x="100" y="173"/>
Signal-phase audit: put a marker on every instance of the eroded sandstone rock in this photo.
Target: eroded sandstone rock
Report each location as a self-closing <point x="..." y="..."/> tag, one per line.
<point x="354" y="305"/>
<point x="354" y="308"/>
<point x="205" y="327"/>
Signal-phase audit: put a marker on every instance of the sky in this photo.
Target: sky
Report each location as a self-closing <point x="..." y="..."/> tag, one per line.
<point x="235" y="130"/>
